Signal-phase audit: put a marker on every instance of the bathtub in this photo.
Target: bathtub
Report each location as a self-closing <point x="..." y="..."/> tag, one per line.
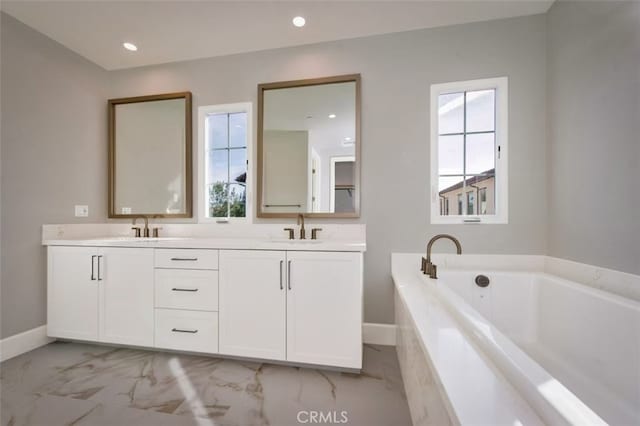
<point x="572" y="351"/>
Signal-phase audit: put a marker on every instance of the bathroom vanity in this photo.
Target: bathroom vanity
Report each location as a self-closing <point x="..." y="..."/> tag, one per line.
<point x="257" y="295"/>
<point x="298" y="302"/>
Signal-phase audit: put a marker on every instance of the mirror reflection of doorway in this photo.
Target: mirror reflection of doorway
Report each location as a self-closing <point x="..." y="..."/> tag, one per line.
<point x="315" y="169"/>
<point x="342" y="184"/>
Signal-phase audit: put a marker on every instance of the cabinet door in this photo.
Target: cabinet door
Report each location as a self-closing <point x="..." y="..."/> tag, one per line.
<point x="324" y="308"/>
<point x="252" y="303"/>
<point x="72" y="287"/>
<point x="126" y="296"/>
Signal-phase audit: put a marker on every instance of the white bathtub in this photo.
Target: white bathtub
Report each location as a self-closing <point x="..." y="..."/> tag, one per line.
<point x="572" y="351"/>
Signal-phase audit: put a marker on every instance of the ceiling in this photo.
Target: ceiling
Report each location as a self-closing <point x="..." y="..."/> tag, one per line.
<point x="169" y="31"/>
<point x="309" y="108"/>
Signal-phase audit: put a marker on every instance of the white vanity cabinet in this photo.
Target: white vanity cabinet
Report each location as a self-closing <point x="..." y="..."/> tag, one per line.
<point x="72" y="293"/>
<point x="324" y="308"/>
<point x="101" y="294"/>
<point x="126" y="296"/>
<point x="283" y="305"/>
<point x="253" y="303"/>
<point x="296" y="306"/>
<point x="186" y="300"/>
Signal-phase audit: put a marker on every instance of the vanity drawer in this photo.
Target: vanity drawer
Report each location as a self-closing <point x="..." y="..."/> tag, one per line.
<point x="191" y="331"/>
<point x="187" y="258"/>
<point x="187" y="289"/>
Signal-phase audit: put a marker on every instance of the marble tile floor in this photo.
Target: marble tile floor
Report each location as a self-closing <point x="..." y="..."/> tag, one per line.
<point x="81" y="384"/>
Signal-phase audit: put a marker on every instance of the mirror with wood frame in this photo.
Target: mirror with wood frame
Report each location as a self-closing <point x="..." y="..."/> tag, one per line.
<point x="150" y="156"/>
<point x="309" y="148"/>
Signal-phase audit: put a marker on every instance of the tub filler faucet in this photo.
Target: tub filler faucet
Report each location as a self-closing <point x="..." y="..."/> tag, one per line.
<point x="429" y="268"/>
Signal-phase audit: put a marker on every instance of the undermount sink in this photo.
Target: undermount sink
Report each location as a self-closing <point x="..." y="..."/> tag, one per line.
<point x="140" y="239"/>
<point x="288" y="241"/>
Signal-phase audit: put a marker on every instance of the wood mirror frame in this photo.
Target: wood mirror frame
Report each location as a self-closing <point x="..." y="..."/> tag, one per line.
<point x="188" y="166"/>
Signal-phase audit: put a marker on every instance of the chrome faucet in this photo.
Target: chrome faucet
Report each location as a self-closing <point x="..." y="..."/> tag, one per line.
<point x="146" y="225"/>
<point x="429" y="268"/>
<point x="303" y="232"/>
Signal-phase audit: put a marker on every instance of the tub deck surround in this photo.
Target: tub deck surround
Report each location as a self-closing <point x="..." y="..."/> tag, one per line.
<point x="473" y="390"/>
<point x="616" y="282"/>
<point x="570" y="350"/>
<point x="424" y="391"/>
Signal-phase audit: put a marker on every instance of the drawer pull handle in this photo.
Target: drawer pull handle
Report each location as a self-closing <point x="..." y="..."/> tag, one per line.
<point x="184" y="259"/>
<point x="184" y="289"/>
<point x="177" y="330"/>
<point x="93" y="258"/>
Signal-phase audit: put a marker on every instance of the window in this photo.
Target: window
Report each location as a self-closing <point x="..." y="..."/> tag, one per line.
<point x="444" y="206"/>
<point x="469" y="128"/>
<point x="482" y="196"/>
<point x="471" y="203"/>
<point x="224" y="135"/>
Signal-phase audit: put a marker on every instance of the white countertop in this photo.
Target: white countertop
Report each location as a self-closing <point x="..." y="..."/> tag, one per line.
<point x="333" y="237"/>
<point x="212" y="243"/>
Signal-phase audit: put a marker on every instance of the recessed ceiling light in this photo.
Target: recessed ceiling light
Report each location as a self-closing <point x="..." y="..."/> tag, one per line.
<point x="130" y="46"/>
<point x="348" y="139"/>
<point x="299" y="21"/>
<point x="332" y="116"/>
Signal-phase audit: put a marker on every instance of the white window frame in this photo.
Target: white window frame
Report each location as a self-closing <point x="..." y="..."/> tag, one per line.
<point x="203" y="112"/>
<point x="501" y="86"/>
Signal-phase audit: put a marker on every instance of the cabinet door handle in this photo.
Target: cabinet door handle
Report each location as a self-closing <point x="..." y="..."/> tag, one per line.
<point x="93" y="258"/>
<point x="289" y="274"/>
<point x="281" y="265"/>
<point x="184" y="289"/>
<point x="99" y="274"/>
<point x="184" y="259"/>
<point x="178" y="330"/>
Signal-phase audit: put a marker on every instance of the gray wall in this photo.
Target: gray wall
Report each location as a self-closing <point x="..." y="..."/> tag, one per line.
<point x="54" y="138"/>
<point x="54" y="151"/>
<point x="593" y="133"/>
<point x="397" y="71"/>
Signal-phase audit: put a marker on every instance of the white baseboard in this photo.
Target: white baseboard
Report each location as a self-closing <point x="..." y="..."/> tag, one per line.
<point x="372" y="333"/>
<point x="24" y="342"/>
<point x="379" y="334"/>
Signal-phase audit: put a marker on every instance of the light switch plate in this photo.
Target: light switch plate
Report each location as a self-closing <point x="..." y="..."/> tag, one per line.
<point x="82" y="211"/>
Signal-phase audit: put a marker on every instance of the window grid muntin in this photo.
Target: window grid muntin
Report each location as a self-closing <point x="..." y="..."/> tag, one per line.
<point x="468" y="133"/>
